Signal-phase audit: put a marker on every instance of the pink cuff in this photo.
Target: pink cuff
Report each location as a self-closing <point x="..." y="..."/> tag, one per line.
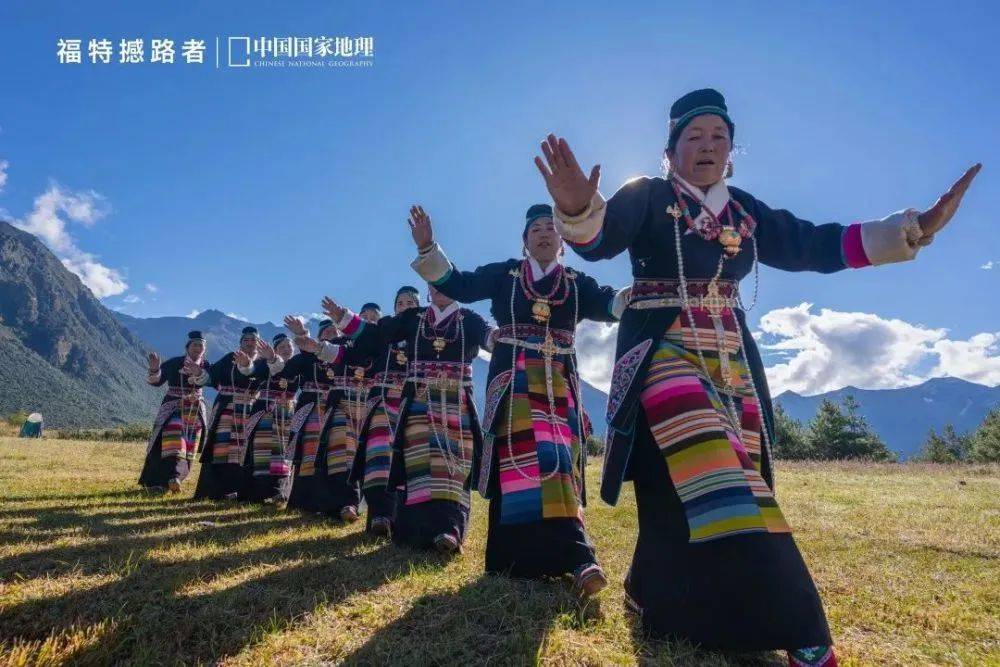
<point x="852" y="248"/>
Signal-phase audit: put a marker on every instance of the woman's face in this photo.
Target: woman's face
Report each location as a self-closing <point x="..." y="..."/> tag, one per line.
<point x="329" y="333"/>
<point x="249" y="345"/>
<point x="371" y="315"/>
<point x="284" y="349"/>
<point x="702" y="151"/>
<point x="405" y="301"/>
<point x="543" y="241"/>
<point x="437" y="298"/>
<point x="196" y="349"/>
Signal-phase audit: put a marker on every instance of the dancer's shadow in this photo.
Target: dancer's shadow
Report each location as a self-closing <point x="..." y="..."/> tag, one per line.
<point x="203" y="610"/>
<point x="490" y="620"/>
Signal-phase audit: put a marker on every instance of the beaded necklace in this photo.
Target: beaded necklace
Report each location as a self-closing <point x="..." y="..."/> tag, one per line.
<point x="729" y="235"/>
<point x="541" y="307"/>
<point x="440" y="330"/>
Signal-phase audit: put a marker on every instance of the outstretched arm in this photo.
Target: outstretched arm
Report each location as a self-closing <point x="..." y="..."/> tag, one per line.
<point x="434" y="266"/>
<point x="789" y="243"/>
<point x="594" y="228"/>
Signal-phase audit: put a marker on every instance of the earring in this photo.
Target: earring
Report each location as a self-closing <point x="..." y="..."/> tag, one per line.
<point x="524" y="252"/>
<point x="729" y="169"/>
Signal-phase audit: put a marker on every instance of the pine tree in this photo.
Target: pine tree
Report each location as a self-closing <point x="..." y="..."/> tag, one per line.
<point x="841" y="432"/>
<point x="935" y="449"/>
<point x="789" y="437"/>
<point x="985" y="447"/>
<point x="958" y="445"/>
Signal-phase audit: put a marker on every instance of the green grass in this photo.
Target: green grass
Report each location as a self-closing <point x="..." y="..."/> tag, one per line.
<point x="93" y="571"/>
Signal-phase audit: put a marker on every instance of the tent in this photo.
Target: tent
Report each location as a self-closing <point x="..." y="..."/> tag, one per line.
<point x="32" y="427"/>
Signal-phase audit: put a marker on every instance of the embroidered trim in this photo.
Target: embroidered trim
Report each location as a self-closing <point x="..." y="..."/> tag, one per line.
<point x="299" y="418"/>
<point x="486" y="465"/>
<point x="166" y="409"/>
<point x="624" y="375"/>
<point x="494" y="393"/>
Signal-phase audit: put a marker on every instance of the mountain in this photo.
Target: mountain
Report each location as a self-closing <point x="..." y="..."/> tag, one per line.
<point x="62" y="353"/>
<point x="166" y="336"/>
<point x="903" y="416"/>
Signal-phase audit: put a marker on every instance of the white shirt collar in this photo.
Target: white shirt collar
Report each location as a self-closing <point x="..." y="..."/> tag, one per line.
<point x="537" y="272"/>
<point x="441" y="314"/>
<point x="714" y="200"/>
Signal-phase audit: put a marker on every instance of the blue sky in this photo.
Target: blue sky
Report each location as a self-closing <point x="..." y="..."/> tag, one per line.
<point x="256" y="191"/>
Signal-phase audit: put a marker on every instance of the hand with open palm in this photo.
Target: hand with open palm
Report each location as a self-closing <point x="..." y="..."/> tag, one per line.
<point x="570" y="188"/>
<point x="940" y="214"/>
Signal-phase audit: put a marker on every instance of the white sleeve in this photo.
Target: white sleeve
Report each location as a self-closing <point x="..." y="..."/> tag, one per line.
<point x="431" y="264"/>
<point x="585" y="226"/>
<point x="893" y="238"/>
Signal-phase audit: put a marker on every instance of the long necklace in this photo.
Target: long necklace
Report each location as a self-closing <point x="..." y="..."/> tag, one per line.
<point x="729" y="235"/>
<point x="441" y="338"/>
<point x="187" y="432"/>
<point x="550" y="416"/>
<point x="729" y="406"/>
<point x="541" y="307"/>
<point x="452" y="463"/>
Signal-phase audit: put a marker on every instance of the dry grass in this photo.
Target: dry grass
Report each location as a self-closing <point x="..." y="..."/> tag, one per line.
<point x="93" y="572"/>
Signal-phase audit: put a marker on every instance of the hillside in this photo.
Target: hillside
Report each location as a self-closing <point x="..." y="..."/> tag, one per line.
<point x="62" y="352"/>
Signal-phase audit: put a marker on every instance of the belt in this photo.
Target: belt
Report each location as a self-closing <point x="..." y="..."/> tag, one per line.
<point x="315" y="387"/>
<point x="702" y="294"/>
<point x="444" y="374"/>
<point x="175" y="392"/>
<point x="520" y="332"/>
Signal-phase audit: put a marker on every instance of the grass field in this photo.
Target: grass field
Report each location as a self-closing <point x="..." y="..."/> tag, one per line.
<point x="93" y="571"/>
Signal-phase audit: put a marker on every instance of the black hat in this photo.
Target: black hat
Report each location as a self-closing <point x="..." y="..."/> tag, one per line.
<point x="535" y="212"/>
<point x="194" y="336"/>
<point x="407" y="289"/>
<point x="323" y="324"/>
<point x="248" y="331"/>
<point x="694" y="104"/>
<point x="278" y="338"/>
<point x="371" y="305"/>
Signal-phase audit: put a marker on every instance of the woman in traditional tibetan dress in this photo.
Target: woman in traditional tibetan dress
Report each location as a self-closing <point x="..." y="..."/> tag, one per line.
<point x="374" y="456"/>
<point x="332" y="391"/>
<point x="532" y="465"/>
<point x="689" y="413"/>
<point x="222" y="456"/>
<point x="180" y="423"/>
<point x="438" y="426"/>
<point x="266" y="461"/>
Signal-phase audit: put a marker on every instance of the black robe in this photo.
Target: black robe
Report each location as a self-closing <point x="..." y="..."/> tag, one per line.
<point x="418" y="525"/>
<point x="157" y="471"/>
<point x="748" y="591"/>
<point x="219" y="480"/>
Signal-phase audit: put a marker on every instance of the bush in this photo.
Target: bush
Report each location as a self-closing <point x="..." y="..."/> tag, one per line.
<point x="595" y="445"/>
<point x="128" y="433"/>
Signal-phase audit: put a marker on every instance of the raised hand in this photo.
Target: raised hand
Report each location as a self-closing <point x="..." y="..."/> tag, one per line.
<point x="570" y="188"/>
<point x="265" y="350"/>
<point x="333" y="309"/>
<point x="242" y="358"/>
<point x="295" y="325"/>
<point x="154" y="362"/>
<point x="420" y="227"/>
<point x="937" y="216"/>
<point x="191" y="368"/>
<point x="307" y="344"/>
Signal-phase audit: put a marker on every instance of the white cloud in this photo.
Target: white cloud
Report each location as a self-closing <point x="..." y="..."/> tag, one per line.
<point x="595" y="344"/>
<point x="812" y="353"/>
<point x="987" y="266"/>
<point x="834" y="349"/>
<point x="3" y="173"/>
<point x="151" y="288"/>
<point x="237" y="316"/>
<point x="194" y="313"/>
<point x="132" y="298"/>
<point x="49" y="219"/>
